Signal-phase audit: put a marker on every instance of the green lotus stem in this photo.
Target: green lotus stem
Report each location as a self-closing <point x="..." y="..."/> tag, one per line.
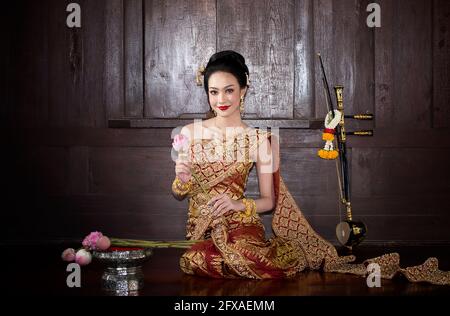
<point x="154" y="241"/>
<point x="152" y="244"/>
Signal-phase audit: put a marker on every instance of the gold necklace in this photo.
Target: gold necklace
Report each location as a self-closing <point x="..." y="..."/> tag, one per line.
<point x="224" y="135"/>
<point x="226" y="154"/>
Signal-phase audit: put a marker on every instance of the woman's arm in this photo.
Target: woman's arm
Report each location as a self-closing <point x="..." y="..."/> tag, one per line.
<point x="265" y="166"/>
<point x="180" y="189"/>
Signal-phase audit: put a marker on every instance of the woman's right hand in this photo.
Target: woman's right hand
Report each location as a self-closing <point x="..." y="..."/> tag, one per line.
<point x="183" y="170"/>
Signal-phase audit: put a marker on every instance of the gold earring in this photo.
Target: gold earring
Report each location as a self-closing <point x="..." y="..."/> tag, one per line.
<point x="241" y="108"/>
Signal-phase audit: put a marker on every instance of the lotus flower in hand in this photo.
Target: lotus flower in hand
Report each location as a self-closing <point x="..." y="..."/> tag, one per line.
<point x="181" y="145"/>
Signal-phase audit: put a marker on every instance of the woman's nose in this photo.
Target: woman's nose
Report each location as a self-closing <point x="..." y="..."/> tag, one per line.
<point x="222" y="97"/>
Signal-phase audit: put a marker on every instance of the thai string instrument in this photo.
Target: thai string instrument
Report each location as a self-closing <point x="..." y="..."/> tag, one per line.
<point x="349" y="232"/>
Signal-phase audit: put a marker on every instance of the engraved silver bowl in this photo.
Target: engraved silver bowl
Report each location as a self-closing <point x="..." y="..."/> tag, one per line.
<point x="123" y="269"/>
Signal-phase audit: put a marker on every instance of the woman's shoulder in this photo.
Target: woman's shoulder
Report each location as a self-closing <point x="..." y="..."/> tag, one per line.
<point x="188" y="131"/>
<point x="203" y="123"/>
<point x="207" y="123"/>
<point x="195" y="130"/>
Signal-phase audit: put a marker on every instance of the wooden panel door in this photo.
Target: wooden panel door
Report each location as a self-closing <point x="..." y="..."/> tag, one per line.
<point x="152" y="71"/>
<point x="180" y="35"/>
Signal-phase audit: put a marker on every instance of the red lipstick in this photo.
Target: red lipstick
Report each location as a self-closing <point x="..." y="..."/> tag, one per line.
<point x="223" y="108"/>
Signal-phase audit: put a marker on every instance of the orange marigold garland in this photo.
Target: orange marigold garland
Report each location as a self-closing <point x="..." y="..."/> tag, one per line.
<point x="328" y="152"/>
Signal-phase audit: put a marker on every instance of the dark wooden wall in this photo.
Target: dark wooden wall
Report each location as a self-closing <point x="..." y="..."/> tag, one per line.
<point x="87" y="113"/>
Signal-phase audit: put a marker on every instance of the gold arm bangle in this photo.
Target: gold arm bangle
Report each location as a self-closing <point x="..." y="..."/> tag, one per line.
<point x="180" y="187"/>
<point x="250" y="207"/>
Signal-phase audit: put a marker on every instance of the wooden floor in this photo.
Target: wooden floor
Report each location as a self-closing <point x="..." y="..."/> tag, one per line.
<point x="40" y="271"/>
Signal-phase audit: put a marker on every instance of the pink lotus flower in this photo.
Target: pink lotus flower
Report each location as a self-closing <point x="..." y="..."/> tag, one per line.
<point x="181" y="145"/>
<point x="103" y="243"/>
<point x="94" y="241"/>
<point x="90" y="241"/>
<point x="180" y="142"/>
<point x="97" y="241"/>
<point x="83" y="257"/>
<point x="68" y="255"/>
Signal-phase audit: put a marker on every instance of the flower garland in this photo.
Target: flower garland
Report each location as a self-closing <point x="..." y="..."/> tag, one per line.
<point x="328" y="152"/>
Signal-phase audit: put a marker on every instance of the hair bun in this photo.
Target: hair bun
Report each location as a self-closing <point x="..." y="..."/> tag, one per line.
<point x="228" y="54"/>
<point x="227" y="61"/>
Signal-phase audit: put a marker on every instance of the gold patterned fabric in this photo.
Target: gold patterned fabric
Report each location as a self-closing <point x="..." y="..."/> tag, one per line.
<point x="234" y="246"/>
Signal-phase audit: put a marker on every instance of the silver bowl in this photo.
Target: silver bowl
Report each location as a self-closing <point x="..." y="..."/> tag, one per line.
<point x="123" y="273"/>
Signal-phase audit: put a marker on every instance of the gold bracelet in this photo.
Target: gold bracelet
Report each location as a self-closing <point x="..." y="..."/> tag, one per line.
<point x="180" y="187"/>
<point x="250" y="207"/>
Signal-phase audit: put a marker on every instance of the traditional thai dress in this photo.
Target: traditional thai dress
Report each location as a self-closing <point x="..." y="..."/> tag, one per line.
<point x="235" y="246"/>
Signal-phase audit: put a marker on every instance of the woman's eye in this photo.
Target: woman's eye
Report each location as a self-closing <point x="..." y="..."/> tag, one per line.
<point x="215" y="92"/>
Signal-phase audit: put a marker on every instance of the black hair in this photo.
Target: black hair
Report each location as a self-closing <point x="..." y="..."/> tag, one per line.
<point x="227" y="61"/>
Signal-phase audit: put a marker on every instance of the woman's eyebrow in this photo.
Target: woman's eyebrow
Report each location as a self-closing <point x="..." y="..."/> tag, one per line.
<point x="231" y="85"/>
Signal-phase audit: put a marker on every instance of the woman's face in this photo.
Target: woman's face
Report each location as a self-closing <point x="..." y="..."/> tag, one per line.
<point x="224" y="93"/>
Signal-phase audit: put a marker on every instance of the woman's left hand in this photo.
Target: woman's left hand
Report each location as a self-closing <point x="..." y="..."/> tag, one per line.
<point x="222" y="203"/>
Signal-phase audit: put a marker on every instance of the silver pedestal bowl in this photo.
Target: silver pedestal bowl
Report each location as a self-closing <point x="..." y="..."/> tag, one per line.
<point x="123" y="269"/>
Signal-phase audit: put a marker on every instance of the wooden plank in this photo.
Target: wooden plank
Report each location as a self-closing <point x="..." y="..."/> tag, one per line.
<point x="158" y="204"/>
<point x="42" y="81"/>
<point x="373" y="206"/>
<point x="133" y="58"/>
<point x="385" y="206"/>
<point x="161" y="137"/>
<point x="93" y="112"/>
<point x="130" y="170"/>
<point x="353" y="45"/>
<point x="165" y="123"/>
<point x="94" y="137"/>
<point x="179" y="37"/>
<point x="405" y="228"/>
<point x="142" y="217"/>
<point x="263" y="32"/>
<point x="76" y="226"/>
<point x="35" y="73"/>
<point x="149" y="204"/>
<point x="324" y="44"/>
<point x="74" y="61"/>
<point x="9" y="76"/>
<point x="401" y="171"/>
<point x="412" y="231"/>
<point x="76" y="67"/>
<point x="49" y="170"/>
<point x="159" y="216"/>
<point x="304" y="88"/>
<point x="61" y="67"/>
<point x="441" y="64"/>
<point x="29" y="52"/>
<point x="22" y="72"/>
<point x="384" y="61"/>
<point x="304" y="171"/>
<point x="114" y="59"/>
<point x="64" y="68"/>
<point x="78" y="170"/>
<point x="73" y="48"/>
<point x="412" y="45"/>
